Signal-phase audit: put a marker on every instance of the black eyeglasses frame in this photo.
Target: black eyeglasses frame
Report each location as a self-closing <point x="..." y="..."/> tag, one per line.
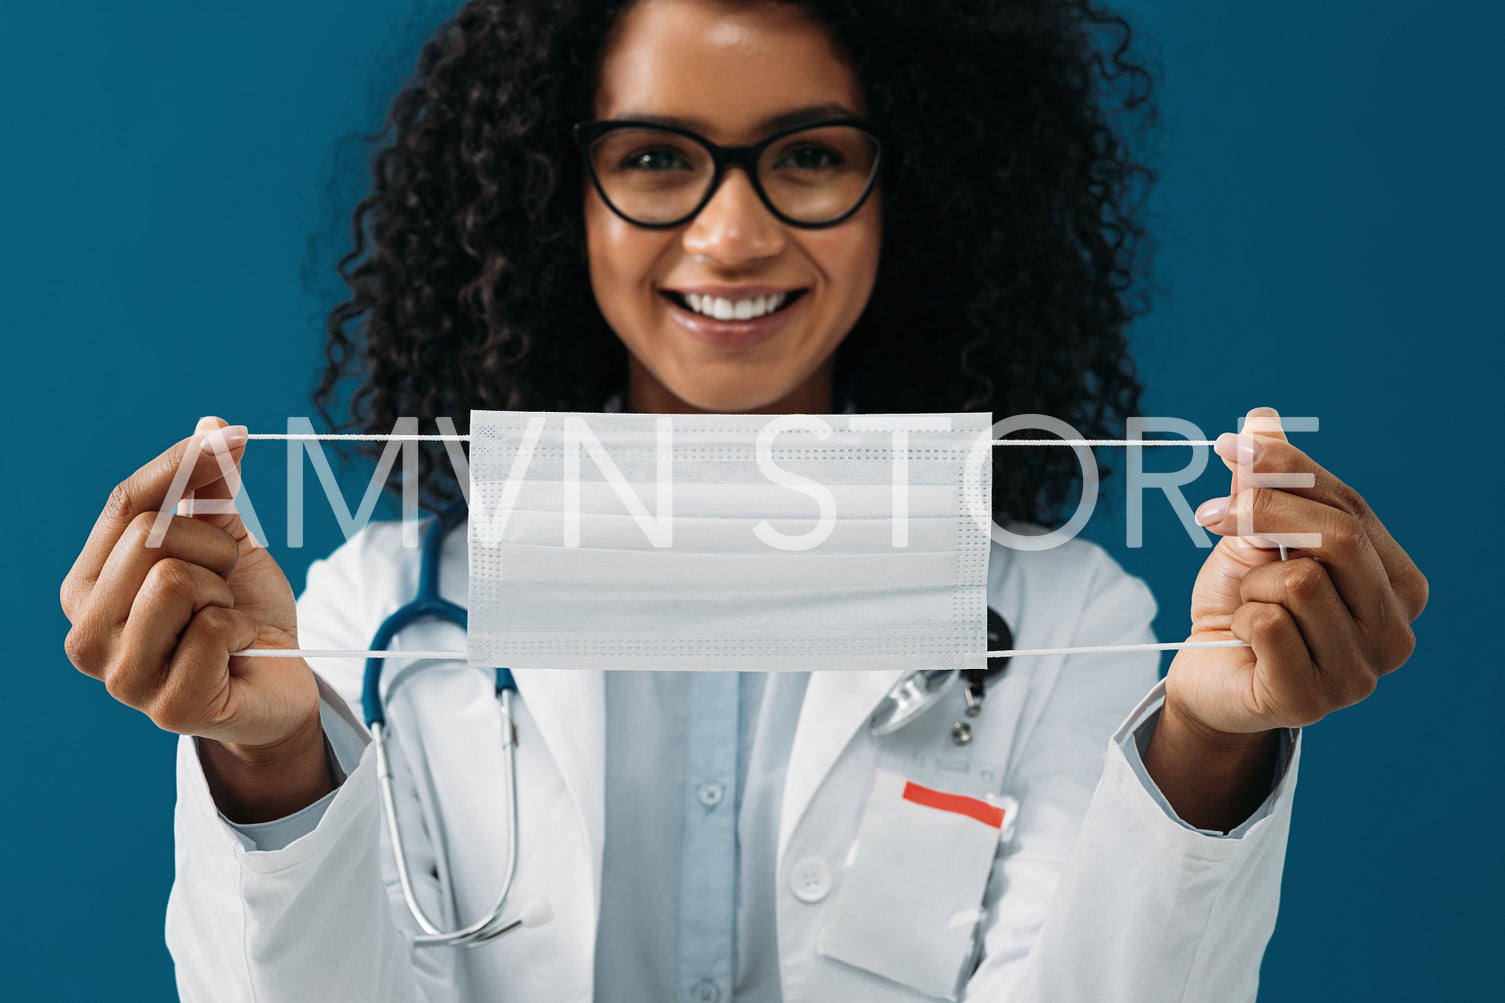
<point x="722" y="157"/>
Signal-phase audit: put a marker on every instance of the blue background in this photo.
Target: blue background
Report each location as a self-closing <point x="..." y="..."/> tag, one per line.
<point x="175" y="186"/>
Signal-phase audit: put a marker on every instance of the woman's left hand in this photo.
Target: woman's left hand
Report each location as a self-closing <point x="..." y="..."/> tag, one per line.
<point x="1324" y="624"/>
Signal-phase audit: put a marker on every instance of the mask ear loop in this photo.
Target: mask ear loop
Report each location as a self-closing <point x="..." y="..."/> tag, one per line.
<point x="991" y="654"/>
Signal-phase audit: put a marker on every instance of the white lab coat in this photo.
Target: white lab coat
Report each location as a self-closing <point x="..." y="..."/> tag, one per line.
<point x="1101" y="895"/>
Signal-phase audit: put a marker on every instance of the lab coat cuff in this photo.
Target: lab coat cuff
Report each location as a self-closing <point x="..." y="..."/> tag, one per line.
<point x="346" y="741"/>
<point x="1126" y="770"/>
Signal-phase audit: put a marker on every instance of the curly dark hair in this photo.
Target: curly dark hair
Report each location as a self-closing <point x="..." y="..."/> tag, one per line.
<point x="1012" y="254"/>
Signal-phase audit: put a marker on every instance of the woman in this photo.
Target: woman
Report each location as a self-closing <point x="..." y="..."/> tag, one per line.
<point x="987" y="268"/>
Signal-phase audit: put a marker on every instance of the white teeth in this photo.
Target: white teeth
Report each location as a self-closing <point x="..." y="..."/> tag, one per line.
<point x="725" y="309"/>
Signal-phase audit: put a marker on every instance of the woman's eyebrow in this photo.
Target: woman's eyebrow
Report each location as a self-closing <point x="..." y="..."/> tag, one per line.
<point x="783" y="120"/>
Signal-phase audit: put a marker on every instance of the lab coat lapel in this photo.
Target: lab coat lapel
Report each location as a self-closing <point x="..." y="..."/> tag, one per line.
<point x="836" y="705"/>
<point x="569" y="708"/>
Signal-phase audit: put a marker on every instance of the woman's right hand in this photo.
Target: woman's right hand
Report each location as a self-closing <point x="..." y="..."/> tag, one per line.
<point x="156" y="624"/>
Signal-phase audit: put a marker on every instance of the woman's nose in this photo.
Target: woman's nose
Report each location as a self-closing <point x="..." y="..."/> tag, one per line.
<point x="735" y="227"/>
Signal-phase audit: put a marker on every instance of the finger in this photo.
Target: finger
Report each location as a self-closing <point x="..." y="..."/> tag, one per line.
<point x="1380" y="644"/>
<point x="1273" y="462"/>
<point x="1261" y="425"/>
<point x="1345" y="550"/>
<point x="1280" y="464"/>
<point x="202" y="427"/>
<point x="1342" y="656"/>
<point x="96" y="643"/>
<point x="1287" y="689"/>
<point x="173" y="592"/>
<point x="191" y="540"/>
<point x="209" y="503"/>
<point x="1405" y="577"/>
<point x="1248" y="455"/>
<point x="195" y="697"/>
<point x="146" y="490"/>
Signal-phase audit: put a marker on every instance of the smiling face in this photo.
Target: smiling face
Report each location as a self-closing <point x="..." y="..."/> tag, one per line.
<point x="727" y="71"/>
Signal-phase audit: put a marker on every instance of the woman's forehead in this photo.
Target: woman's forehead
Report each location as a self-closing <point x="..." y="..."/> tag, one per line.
<point x="726" y="68"/>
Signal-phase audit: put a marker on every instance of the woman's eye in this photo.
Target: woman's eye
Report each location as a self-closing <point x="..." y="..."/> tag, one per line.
<point x="655" y="160"/>
<point x="810" y="158"/>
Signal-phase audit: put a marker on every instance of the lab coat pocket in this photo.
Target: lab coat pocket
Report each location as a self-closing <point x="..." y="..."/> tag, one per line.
<point x="909" y="899"/>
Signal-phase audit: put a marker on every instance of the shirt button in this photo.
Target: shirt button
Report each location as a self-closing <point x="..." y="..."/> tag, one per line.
<point x="710" y="795"/>
<point x="810" y="880"/>
<point x="705" y="992"/>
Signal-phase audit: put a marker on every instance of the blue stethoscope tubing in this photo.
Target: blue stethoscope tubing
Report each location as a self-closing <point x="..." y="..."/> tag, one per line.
<point x="427" y="604"/>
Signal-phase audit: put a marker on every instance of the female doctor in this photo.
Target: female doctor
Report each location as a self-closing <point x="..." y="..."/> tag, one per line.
<point x="690" y="833"/>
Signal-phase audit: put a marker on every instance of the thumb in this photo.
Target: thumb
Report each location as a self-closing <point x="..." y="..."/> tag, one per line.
<point x="1261" y="423"/>
<point x="223" y="488"/>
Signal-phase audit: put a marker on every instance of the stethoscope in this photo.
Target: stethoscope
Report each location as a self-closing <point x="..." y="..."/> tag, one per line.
<point x="428" y="604"/>
<point x="905" y="701"/>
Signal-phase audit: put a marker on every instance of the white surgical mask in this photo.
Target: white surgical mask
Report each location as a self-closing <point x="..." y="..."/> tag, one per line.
<point x="735" y="542"/>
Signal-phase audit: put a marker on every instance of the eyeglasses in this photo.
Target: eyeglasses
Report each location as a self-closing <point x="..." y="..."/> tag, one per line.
<point x="661" y="176"/>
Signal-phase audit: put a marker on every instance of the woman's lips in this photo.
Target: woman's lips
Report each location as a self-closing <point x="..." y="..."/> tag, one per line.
<point x="733" y="333"/>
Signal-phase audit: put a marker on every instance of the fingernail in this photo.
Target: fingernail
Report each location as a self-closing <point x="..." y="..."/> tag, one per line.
<point x="223" y="440"/>
<point x="1264" y="412"/>
<point x="1238" y="448"/>
<point x="1212" y="511"/>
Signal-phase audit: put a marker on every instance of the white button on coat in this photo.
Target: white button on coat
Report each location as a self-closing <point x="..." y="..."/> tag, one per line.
<point x="710" y="793"/>
<point x="810" y="879"/>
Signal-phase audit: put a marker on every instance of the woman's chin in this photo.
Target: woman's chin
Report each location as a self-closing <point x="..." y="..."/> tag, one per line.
<point x="732" y="392"/>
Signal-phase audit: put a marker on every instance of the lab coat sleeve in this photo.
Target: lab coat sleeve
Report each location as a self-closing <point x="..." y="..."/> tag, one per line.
<point x="1104" y="894"/>
<point x="310" y="920"/>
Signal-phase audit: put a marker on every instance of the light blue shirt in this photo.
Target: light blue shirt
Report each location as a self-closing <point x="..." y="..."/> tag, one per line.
<point x="695" y="765"/>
